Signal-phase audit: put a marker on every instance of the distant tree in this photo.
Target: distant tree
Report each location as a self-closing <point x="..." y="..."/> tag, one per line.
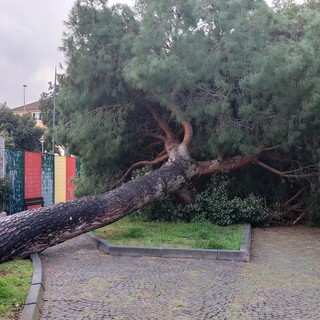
<point x="19" y="131"/>
<point x="46" y="107"/>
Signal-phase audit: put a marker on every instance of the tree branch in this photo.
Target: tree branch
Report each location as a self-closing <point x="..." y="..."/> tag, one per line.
<point x="157" y="136"/>
<point x="163" y="152"/>
<point x="183" y="196"/>
<point x="160" y="158"/>
<point x="161" y="123"/>
<point x="136" y="165"/>
<point x="311" y="166"/>
<point x="188" y="133"/>
<point x="220" y="165"/>
<point x="300" y="217"/>
<point x="271" y="148"/>
<point x="112" y="108"/>
<point x="213" y="94"/>
<point x="294" y="197"/>
<point x="288" y="174"/>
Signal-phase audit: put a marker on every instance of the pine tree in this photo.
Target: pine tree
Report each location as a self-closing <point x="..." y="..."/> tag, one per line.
<point x="198" y="87"/>
<point x="241" y="74"/>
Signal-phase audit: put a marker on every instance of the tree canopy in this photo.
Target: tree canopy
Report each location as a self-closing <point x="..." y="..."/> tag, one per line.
<point x="19" y="131"/>
<point x="228" y="78"/>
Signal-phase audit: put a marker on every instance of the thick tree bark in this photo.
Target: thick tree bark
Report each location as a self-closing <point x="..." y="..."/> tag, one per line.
<point x="33" y="231"/>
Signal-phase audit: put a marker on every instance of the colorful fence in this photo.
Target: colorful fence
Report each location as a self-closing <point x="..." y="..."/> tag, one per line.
<point x="48" y="179"/>
<point x="32" y="174"/>
<point x="14" y="170"/>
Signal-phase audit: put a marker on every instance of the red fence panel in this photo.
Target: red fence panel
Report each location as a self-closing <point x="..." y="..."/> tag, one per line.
<point x="70" y="175"/>
<point x="32" y="176"/>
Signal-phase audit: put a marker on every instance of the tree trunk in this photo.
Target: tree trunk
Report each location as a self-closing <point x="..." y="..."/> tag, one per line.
<point x="35" y="230"/>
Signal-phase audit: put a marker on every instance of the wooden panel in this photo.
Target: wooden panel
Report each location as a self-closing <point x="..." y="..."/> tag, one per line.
<point x="59" y="179"/>
<point x="32" y="176"/>
<point x="70" y="175"/>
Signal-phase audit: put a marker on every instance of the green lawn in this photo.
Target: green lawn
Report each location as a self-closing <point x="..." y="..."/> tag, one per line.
<point x="201" y="235"/>
<point x="15" y="279"/>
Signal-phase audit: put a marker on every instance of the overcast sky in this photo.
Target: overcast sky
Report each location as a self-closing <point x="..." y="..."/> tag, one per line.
<point x="30" y="34"/>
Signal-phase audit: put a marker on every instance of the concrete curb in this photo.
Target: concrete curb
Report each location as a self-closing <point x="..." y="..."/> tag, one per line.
<point x="33" y="304"/>
<point x="234" y="255"/>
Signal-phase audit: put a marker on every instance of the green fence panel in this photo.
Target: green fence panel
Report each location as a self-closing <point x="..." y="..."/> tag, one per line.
<point x="48" y="179"/>
<point x="14" y="169"/>
<point x="78" y="167"/>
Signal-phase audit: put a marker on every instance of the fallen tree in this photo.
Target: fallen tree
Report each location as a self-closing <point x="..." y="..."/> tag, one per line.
<point x="173" y="74"/>
<point x="35" y="230"/>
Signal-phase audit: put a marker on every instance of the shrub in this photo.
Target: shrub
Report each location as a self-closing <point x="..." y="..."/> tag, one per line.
<point x="169" y="210"/>
<point x="212" y="204"/>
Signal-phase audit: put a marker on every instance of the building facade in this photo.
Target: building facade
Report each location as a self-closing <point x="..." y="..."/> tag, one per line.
<point x="32" y="108"/>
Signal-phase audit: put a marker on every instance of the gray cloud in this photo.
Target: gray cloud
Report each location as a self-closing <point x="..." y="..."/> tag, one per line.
<point x="30" y="34"/>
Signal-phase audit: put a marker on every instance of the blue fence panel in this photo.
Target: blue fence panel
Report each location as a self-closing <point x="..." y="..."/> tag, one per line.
<point x="78" y="168"/>
<point x="48" y="179"/>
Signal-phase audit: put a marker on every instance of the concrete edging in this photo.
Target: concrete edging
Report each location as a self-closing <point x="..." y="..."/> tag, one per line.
<point x="234" y="255"/>
<point x="33" y="303"/>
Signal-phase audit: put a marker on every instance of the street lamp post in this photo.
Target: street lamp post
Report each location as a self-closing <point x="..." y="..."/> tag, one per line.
<point x="24" y="98"/>
<point x="54" y="109"/>
<point x="42" y="141"/>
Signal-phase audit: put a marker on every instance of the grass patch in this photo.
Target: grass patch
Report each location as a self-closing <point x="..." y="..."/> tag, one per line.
<point x="197" y="235"/>
<point x="15" y="279"/>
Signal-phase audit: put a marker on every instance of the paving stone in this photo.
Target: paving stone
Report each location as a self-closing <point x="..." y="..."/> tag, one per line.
<point x="282" y="281"/>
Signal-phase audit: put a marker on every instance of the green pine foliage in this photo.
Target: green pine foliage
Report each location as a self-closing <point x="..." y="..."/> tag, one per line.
<point x="246" y="77"/>
<point x="213" y="204"/>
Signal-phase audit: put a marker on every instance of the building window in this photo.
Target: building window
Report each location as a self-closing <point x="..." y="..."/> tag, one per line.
<point x="36" y="116"/>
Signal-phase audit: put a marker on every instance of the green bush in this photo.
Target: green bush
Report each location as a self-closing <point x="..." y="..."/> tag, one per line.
<point x="212" y="204"/>
<point x="169" y="210"/>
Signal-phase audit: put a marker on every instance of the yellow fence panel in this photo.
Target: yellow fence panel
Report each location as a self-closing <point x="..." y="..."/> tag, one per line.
<point x="60" y="180"/>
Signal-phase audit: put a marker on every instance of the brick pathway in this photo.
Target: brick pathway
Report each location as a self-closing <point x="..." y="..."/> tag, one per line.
<point x="282" y="281"/>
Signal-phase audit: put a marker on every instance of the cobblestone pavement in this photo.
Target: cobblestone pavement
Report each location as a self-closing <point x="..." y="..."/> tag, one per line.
<point x="282" y="281"/>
